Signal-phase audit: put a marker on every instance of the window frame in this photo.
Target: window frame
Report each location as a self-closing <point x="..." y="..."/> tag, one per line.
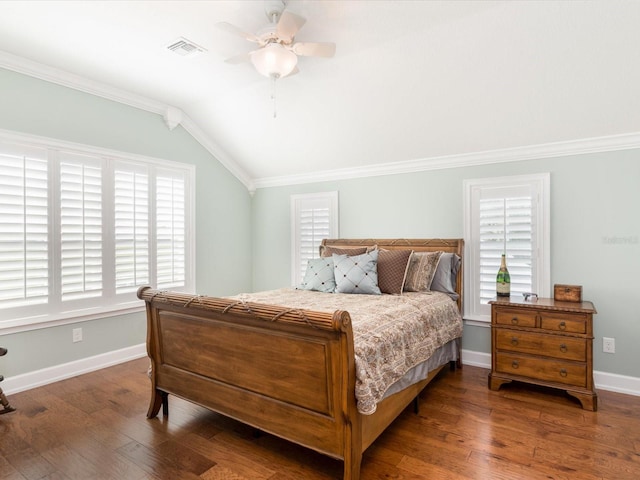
<point x="109" y="303"/>
<point x="299" y="202"/>
<point x="474" y="311"/>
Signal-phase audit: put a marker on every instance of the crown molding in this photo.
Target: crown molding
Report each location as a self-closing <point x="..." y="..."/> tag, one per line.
<point x="171" y="115"/>
<point x="532" y="152"/>
<point x="66" y="79"/>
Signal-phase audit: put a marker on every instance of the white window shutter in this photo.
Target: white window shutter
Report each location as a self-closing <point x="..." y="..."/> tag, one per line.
<point x="24" y="230"/>
<point x="131" y="227"/>
<point x="80" y="227"/>
<point x="507" y="215"/>
<point x="170" y="230"/>
<point x="314" y="217"/>
<point x="506" y="227"/>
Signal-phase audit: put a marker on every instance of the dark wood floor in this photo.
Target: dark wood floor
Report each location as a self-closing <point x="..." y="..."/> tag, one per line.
<point x="94" y="427"/>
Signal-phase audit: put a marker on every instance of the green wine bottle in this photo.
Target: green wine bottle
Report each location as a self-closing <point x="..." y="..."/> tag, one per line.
<point x="503" y="280"/>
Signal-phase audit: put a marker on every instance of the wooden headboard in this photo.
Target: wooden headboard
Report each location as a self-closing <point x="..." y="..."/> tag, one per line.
<point x="451" y="245"/>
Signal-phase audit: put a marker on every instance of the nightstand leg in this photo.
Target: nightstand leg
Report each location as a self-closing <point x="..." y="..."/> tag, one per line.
<point x="589" y="401"/>
<point x="496" y="382"/>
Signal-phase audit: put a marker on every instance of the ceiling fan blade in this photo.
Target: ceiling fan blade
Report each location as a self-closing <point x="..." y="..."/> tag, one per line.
<point x="241" y="58"/>
<point x="227" y="27"/>
<point x="288" y="26"/>
<point x="324" y="49"/>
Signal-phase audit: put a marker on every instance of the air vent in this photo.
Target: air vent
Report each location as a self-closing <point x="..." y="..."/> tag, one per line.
<point x="185" y="48"/>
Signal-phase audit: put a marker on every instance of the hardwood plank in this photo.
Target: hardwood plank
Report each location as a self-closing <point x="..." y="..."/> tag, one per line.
<point x="107" y="461"/>
<point x="72" y="464"/>
<point x="153" y="462"/>
<point x="226" y="458"/>
<point x="94" y="426"/>
<point x="8" y="472"/>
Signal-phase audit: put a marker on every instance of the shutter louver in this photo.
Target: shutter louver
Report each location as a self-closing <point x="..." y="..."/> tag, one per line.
<point x="170" y="231"/>
<point x="313" y="218"/>
<point x="314" y="226"/>
<point x="80" y="227"/>
<point x="24" y="231"/>
<point x="131" y="218"/>
<point x="505" y="227"/>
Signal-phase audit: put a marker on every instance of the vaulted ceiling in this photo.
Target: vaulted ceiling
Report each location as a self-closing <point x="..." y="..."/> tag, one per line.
<point x="410" y="81"/>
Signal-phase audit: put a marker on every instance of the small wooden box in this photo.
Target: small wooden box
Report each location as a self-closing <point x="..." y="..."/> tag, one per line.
<point x="567" y="293"/>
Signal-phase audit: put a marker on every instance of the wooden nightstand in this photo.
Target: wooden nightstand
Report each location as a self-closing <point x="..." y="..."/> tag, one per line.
<point x="544" y="342"/>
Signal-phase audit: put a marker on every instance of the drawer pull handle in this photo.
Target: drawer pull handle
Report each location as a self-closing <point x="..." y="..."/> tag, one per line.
<point x="514" y="341"/>
<point x="562" y="326"/>
<point x="514" y="320"/>
<point x="563" y="348"/>
<point x="515" y="364"/>
<point x="563" y="372"/>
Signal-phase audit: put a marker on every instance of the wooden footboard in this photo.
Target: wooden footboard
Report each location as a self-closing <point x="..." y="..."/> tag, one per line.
<point x="283" y="371"/>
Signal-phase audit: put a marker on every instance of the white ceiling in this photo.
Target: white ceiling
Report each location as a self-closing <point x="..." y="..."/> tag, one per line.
<point x="410" y="80"/>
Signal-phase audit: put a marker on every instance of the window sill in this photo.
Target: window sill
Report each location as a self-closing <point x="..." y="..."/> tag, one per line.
<point x="46" y="321"/>
<point x="483" y="322"/>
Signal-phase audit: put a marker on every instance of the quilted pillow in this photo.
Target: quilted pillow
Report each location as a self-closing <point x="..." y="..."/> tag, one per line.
<point x="319" y="275"/>
<point x="392" y="270"/>
<point x="422" y="268"/>
<point x="357" y="273"/>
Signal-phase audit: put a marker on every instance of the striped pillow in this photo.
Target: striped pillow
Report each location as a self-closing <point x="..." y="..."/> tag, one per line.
<point x="422" y="268"/>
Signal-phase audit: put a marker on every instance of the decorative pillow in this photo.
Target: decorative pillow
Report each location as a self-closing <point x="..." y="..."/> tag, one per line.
<point x="319" y="275"/>
<point x="421" y="270"/>
<point x="392" y="270"/>
<point x="328" y="251"/>
<point x="446" y="275"/>
<point x="357" y="273"/>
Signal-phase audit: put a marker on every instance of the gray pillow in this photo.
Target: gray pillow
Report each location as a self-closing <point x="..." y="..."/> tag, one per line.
<point x="357" y="273"/>
<point x="446" y="275"/>
<point x="319" y="275"/>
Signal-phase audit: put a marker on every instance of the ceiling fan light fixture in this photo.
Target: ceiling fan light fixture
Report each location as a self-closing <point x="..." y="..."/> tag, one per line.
<point x="274" y="60"/>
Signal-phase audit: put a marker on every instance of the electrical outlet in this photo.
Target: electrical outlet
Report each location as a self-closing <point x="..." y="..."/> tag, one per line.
<point x="608" y="345"/>
<point x="77" y="335"/>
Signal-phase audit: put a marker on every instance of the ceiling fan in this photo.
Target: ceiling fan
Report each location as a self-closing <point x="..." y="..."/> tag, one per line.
<point x="277" y="53"/>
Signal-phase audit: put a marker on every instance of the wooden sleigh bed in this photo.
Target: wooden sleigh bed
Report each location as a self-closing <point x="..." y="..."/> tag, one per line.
<point x="285" y="371"/>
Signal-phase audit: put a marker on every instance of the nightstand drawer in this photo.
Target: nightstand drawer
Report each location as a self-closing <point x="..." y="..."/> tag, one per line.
<point x="542" y="369"/>
<point x="516" y="318"/>
<point x="556" y="346"/>
<point x="565" y="322"/>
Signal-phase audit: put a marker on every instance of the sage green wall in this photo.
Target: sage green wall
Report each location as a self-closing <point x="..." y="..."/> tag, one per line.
<point x="595" y="230"/>
<point x="594" y="235"/>
<point x="223" y="207"/>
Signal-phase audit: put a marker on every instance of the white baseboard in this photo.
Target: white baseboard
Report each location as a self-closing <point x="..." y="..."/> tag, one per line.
<point x="617" y="383"/>
<point x="476" y="359"/>
<point x="38" y="378"/>
<point x="604" y="381"/>
<point x="19" y="383"/>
